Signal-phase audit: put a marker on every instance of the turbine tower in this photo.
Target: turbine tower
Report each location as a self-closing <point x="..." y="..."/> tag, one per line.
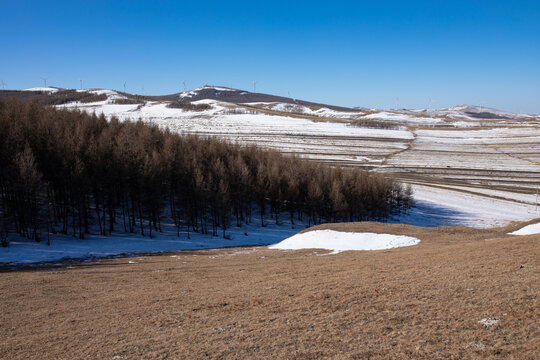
<point x="45" y="81"/>
<point x="184" y="83"/>
<point x="254" y="86"/>
<point x="3" y="85"/>
<point x="80" y="80"/>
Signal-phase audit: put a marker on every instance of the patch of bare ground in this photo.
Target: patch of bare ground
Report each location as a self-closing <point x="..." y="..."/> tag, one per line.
<point x="417" y="302"/>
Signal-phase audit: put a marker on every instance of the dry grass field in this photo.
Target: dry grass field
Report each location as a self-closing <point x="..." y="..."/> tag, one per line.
<point x="418" y="302"/>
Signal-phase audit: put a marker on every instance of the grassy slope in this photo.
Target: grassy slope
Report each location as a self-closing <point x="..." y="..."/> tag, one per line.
<point x="423" y="301"/>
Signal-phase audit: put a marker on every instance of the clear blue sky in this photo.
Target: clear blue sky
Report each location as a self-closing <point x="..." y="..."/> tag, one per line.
<point x="358" y="53"/>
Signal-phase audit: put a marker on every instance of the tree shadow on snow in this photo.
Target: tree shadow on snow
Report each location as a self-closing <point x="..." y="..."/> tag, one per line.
<point x="428" y="214"/>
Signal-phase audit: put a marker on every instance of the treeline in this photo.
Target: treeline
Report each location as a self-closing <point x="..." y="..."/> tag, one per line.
<point x="60" y="97"/>
<point x="75" y="173"/>
<point x="188" y="106"/>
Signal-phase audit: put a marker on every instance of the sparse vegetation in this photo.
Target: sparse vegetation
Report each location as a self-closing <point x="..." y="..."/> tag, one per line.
<point x="374" y="124"/>
<point x="52" y="98"/>
<point x="240" y="111"/>
<point x="418" y="302"/>
<point x="188" y="106"/>
<point x="71" y="172"/>
<point x="128" y="101"/>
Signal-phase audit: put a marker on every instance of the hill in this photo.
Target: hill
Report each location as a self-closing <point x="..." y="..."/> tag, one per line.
<point x="471" y="153"/>
<point x="459" y="294"/>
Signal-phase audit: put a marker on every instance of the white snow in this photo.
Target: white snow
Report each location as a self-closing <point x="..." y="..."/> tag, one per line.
<point x="460" y="112"/>
<point x="218" y="121"/>
<point x="338" y="241"/>
<point x="63" y="247"/>
<point x="44" y="89"/>
<point x="102" y="92"/>
<point x="290" y="108"/>
<point x="446" y="207"/>
<point x="398" y="117"/>
<point x="321" y="112"/>
<point x="218" y="88"/>
<point x="528" y="230"/>
<point x="194" y="92"/>
<point x="487" y="322"/>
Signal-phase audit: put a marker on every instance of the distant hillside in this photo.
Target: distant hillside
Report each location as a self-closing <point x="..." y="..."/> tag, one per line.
<point x="59" y="96"/>
<point x="236" y="96"/>
<point x="52" y="96"/>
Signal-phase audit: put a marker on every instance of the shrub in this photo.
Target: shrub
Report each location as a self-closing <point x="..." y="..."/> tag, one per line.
<point x="128" y="101"/>
<point x="188" y="106"/>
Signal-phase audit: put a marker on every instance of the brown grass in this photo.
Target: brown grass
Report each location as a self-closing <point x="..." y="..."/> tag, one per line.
<point x="418" y="302"/>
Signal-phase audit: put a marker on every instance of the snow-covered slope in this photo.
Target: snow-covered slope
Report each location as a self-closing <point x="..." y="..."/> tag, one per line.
<point x="471" y="112"/>
<point x="43" y="89"/>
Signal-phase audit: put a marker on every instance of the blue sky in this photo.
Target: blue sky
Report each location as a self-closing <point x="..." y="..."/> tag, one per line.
<point x="361" y="53"/>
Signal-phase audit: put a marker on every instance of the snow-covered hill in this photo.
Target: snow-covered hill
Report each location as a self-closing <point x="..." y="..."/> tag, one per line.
<point x="456" y="116"/>
<point x="469" y="147"/>
<point x="470" y="112"/>
<point x="468" y="165"/>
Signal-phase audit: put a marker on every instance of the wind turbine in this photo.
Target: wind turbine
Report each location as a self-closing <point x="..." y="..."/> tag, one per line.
<point x="45" y="80"/>
<point x="124" y="87"/>
<point x="254" y="86"/>
<point x="3" y="84"/>
<point x="80" y="80"/>
<point x="184" y="83"/>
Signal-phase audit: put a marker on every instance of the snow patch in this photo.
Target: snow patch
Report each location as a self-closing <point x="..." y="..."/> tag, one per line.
<point x="487" y="322"/>
<point x="44" y="89"/>
<point x="103" y="92"/>
<point x="338" y="241"/>
<point x="195" y="92"/>
<point x="528" y="230"/>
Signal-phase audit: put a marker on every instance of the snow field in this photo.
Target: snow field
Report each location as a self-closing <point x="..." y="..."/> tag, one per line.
<point x="402" y="118"/>
<point x="64" y="247"/>
<point x="466" y="209"/>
